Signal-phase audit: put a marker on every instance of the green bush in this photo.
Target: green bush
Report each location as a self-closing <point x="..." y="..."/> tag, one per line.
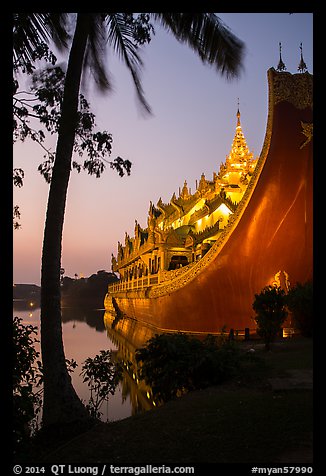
<point x="300" y="303"/>
<point x="173" y="364"/>
<point x="270" y="308"/>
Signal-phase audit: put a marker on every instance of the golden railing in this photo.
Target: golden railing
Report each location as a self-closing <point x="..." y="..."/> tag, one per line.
<point x="137" y="283"/>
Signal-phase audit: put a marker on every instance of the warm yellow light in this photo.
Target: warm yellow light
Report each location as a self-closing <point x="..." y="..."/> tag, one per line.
<point x="31" y="304"/>
<point x="288" y="332"/>
<point x="224" y="209"/>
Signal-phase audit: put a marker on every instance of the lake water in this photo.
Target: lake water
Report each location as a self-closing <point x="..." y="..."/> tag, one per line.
<point x="85" y="333"/>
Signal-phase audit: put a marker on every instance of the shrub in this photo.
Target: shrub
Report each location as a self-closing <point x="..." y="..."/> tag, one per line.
<point x="102" y="375"/>
<point x="271" y="313"/>
<point x="27" y="377"/>
<point x="173" y="364"/>
<point x="300" y="303"/>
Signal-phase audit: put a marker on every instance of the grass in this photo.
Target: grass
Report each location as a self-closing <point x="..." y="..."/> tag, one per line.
<point x="241" y="421"/>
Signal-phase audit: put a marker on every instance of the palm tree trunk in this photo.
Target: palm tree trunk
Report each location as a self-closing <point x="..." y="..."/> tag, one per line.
<point x="61" y="403"/>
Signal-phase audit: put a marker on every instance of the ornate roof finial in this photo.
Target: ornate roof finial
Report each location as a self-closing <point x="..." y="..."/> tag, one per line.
<point x="238" y="115"/>
<point x="281" y="66"/>
<point x="302" y="65"/>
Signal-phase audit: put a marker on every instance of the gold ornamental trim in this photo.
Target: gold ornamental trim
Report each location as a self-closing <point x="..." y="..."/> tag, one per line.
<point x="308" y="131"/>
<point x="296" y="89"/>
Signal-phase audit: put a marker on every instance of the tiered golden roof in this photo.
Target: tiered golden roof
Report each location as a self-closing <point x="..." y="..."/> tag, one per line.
<point x="181" y="231"/>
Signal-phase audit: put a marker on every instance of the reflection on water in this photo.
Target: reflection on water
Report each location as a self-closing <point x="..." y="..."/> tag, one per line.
<point x="128" y="335"/>
<point x="92" y="317"/>
<point x="85" y="333"/>
<point x="24" y="305"/>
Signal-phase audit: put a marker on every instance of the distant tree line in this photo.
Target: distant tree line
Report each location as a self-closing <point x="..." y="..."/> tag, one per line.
<point x="91" y="289"/>
<point x="26" y="292"/>
<point x="73" y="290"/>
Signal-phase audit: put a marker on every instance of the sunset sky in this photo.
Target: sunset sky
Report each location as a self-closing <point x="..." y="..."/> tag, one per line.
<point x="189" y="133"/>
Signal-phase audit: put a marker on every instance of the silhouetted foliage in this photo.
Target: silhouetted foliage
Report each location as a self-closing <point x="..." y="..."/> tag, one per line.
<point x="102" y="375"/>
<point x="27" y="379"/>
<point x="173" y="364"/>
<point x="270" y="308"/>
<point x="300" y="302"/>
<point x="43" y="103"/>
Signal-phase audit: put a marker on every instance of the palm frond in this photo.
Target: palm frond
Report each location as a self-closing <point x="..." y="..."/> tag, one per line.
<point x="30" y="30"/>
<point x="57" y="23"/>
<point x="207" y="35"/>
<point x="120" y="37"/>
<point x="96" y="50"/>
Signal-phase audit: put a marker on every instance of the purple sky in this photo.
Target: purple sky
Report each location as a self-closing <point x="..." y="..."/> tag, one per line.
<point x="190" y="132"/>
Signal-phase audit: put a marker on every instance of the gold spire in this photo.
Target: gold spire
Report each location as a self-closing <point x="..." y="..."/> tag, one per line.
<point x="302" y="65"/>
<point x="238" y="115"/>
<point x="185" y="191"/>
<point x="281" y="66"/>
<point x="240" y="153"/>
